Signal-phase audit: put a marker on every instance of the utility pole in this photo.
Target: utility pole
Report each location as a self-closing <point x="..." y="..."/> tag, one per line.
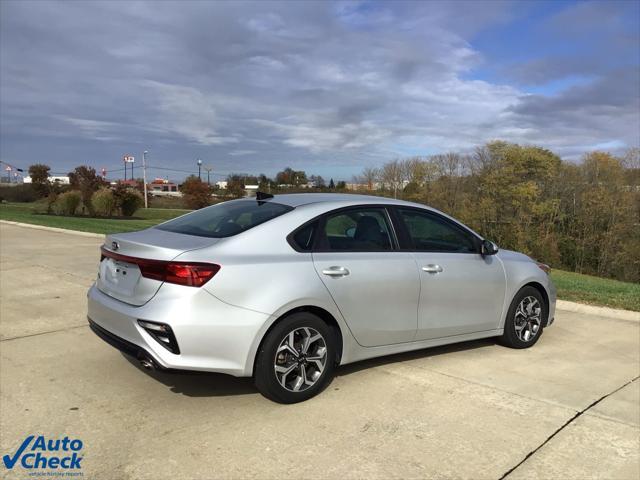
<point x="144" y="177"/>
<point x="208" y="170"/>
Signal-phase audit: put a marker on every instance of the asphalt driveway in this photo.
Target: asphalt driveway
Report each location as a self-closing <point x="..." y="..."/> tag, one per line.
<point x="567" y="408"/>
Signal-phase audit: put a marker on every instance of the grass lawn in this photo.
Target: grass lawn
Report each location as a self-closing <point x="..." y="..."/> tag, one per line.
<point x="571" y="286"/>
<point x="144" y="218"/>
<point x="576" y="287"/>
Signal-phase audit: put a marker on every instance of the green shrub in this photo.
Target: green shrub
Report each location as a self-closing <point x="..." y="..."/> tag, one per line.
<point x="68" y="203"/>
<point x="18" y="193"/>
<point x="128" y="201"/>
<point x="103" y="202"/>
<point x="50" y="202"/>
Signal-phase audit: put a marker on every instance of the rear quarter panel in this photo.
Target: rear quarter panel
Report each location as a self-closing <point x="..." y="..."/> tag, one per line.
<point x="260" y="271"/>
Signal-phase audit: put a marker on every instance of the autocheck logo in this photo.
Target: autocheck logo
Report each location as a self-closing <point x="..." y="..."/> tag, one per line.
<point x="38" y="452"/>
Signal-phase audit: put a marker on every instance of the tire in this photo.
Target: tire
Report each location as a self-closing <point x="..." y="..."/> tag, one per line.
<point x="290" y="375"/>
<point x="520" y="325"/>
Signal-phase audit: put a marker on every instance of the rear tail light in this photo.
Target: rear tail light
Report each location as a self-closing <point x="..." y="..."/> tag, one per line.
<point x="181" y="273"/>
<point x="544" y="267"/>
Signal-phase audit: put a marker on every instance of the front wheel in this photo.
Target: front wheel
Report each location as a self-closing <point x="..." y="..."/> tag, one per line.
<point x="296" y="360"/>
<point x="525" y="319"/>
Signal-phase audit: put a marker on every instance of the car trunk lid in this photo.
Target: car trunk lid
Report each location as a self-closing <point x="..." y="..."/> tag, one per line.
<point x="119" y="274"/>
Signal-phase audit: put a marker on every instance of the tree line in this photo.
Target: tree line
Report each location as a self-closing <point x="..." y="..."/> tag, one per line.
<point x="581" y="216"/>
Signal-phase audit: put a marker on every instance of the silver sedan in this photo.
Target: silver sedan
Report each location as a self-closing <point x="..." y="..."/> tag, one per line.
<point x="287" y="288"/>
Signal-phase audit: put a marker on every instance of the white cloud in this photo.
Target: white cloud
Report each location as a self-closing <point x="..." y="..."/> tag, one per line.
<point x="239" y="153"/>
<point x="188" y="112"/>
<point x="306" y="81"/>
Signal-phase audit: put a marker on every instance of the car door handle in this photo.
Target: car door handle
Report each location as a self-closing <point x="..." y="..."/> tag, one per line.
<point x="432" y="268"/>
<point x="335" y="271"/>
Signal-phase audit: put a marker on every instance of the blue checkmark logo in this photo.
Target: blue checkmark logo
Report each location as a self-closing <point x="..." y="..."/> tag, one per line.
<point x="10" y="462"/>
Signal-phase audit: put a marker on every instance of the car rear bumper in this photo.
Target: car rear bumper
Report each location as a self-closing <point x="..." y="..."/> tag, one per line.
<point x="121" y="344"/>
<point x="212" y="335"/>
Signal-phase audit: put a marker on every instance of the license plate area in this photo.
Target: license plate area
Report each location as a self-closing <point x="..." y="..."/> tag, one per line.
<point x="119" y="276"/>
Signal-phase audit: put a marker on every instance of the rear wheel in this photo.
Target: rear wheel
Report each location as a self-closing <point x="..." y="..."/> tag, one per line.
<point x="525" y="319"/>
<point x="296" y="360"/>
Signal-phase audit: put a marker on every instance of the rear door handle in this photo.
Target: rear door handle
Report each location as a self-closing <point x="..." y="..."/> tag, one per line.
<point x="431" y="268"/>
<point x="335" y="271"/>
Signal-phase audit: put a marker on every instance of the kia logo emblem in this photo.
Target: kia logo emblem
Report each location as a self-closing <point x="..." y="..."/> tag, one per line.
<point x="115" y="246"/>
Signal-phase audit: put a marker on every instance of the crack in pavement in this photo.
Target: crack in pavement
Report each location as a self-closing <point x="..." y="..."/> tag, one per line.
<point x="89" y="278"/>
<point x="566" y="424"/>
<point x="44" y="333"/>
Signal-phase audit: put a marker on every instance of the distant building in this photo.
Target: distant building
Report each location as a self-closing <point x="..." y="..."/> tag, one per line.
<point x="222" y="184"/>
<point x="360" y="187"/>
<point x="63" y="180"/>
<point x="163" y="188"/>
<point x="128" y="183"/>
<point x="250" y="190"/>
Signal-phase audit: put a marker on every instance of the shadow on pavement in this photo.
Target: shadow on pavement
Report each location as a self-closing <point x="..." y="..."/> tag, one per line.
<point x="413" y="355"/>
<point x="205" y="384"/>
<point x="199" y="384"/>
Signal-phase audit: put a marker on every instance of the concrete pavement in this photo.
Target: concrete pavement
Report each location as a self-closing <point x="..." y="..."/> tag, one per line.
<point x="567" y="408"/>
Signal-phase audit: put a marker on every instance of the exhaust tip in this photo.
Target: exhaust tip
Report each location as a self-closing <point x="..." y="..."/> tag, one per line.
<point x="147" y="364"/>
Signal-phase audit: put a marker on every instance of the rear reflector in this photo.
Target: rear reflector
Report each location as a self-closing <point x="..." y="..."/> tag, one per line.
<point x="181" y="273"/>
<point x="162" y="333"/>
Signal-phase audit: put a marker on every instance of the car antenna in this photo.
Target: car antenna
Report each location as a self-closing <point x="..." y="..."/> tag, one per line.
<point x="261" y="196"/>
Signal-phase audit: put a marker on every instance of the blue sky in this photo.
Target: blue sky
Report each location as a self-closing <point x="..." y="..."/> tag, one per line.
<point x="328" y="87"/>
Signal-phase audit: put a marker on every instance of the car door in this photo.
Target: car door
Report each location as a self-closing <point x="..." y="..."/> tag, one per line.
<point x="461" y="290"/>
<point x="374" y="285"/>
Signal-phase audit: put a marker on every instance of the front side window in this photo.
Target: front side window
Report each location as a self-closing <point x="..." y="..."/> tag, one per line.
<point x="357" y="230"/>
<point x="225" y="219"/>
<point x="429" y="233"/>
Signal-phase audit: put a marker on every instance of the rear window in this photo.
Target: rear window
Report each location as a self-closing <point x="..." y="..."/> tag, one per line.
<point x="225" y="219"/>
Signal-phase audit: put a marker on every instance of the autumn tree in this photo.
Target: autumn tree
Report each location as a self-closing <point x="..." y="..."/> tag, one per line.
<point x="39" y="174"/>
<point x="86" y="181"/>
<point x="196" y="193"/>
<point x="291" y="177"/>
<point x="235" y="185"/>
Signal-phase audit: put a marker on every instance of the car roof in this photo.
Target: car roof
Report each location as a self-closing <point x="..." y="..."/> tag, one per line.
<point x="298" y="199"/>
<point x="351" y="199"/>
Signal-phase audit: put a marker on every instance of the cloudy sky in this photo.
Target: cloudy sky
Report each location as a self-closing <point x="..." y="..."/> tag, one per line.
<point x="329" y="87"/>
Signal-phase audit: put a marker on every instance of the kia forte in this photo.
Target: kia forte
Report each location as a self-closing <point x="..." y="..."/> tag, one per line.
<point x="286" y="288"/>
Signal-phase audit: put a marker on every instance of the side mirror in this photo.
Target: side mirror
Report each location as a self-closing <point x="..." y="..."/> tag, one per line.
<point x="350" y="232"/>
<point x="488" y="248"/>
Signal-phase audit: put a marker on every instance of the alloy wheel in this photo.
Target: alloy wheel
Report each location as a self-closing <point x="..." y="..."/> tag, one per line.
<point x="527" y="319"/>
<point x="300" y="359"/>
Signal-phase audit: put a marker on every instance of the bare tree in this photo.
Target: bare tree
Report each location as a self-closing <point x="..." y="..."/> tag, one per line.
<point x="392" y="175"/>
<point x="370" y="175"/>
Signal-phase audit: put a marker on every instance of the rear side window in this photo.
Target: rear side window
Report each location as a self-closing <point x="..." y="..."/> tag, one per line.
<point x="225" y="219"/>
